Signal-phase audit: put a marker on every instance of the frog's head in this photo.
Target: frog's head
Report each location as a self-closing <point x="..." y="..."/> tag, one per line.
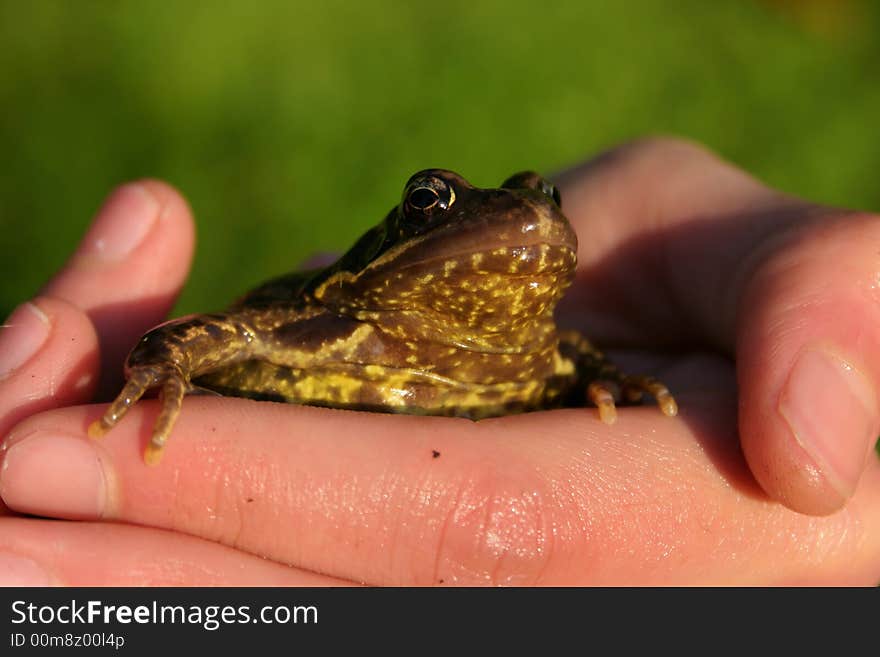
<point x="470" y="255"/>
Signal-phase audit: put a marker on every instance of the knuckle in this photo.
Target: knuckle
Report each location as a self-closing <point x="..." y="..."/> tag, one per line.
<point x="665" y="148"/>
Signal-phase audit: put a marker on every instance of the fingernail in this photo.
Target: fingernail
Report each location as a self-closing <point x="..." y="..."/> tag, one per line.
<point x="831" y="408"/>
<point x="54" y="475"/>
<point x="22" y="336"/>
<point x="121" y="224"/>
<point x="16" y="570"/>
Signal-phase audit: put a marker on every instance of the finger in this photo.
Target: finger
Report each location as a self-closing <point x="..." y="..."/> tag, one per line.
<point x="543" y="498"/>
<point x="43" y="553"/>
<point x="129" y="268"/>
<point x="787" y="286"/>
<point x="48" y="358"/>
<point x="666" y="230"/>
<point x="809" y="365"/>
<point x="48" y="347"/>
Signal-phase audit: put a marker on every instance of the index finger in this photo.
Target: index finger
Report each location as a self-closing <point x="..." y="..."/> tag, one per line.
<point x="553" y="497"/>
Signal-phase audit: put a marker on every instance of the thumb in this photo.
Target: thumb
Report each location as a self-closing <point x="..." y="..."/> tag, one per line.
<point x="808" y="362"/>
<point x="705" y="256"/>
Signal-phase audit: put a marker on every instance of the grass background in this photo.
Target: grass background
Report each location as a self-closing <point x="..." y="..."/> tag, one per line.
<point x="291" y="126"/>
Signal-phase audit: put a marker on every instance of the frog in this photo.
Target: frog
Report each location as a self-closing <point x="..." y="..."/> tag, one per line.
<point x="446" y="307"/>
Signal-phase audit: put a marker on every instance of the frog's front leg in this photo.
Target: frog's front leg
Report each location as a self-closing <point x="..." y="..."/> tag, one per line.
<point x="169" y="357"/>
<point x="602" y="379"/>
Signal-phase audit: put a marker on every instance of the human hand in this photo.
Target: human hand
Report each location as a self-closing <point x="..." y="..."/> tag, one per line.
<point x="122" y="280"/>
<point x="553" y="497"/>
<point x="681" y="249"/>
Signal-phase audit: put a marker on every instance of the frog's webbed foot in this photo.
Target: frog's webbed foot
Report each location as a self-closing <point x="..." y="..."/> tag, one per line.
<point x="605" y="383"/>
<point x="140" y="379"/>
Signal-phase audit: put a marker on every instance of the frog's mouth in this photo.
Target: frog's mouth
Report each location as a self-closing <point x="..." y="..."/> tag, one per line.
<point x="488" y="249"/>
<point x="515" y="223"/>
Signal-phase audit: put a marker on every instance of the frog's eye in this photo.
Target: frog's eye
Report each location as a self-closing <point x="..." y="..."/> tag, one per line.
<point x="532" y="180"/>
<point x="423" y="198"/>
<point x="426" y="196"/>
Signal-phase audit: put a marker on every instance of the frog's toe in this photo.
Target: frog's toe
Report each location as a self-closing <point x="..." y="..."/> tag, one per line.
<point x="647" y="384"/>
<point x="140" y="380"/>
<point x="602" y="396"/>
<point x="171" y="397"/>
<point x="667" y="404"/>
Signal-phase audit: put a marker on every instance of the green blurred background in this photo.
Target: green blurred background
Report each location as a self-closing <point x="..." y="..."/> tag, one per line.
<point x="291" y="126"/>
